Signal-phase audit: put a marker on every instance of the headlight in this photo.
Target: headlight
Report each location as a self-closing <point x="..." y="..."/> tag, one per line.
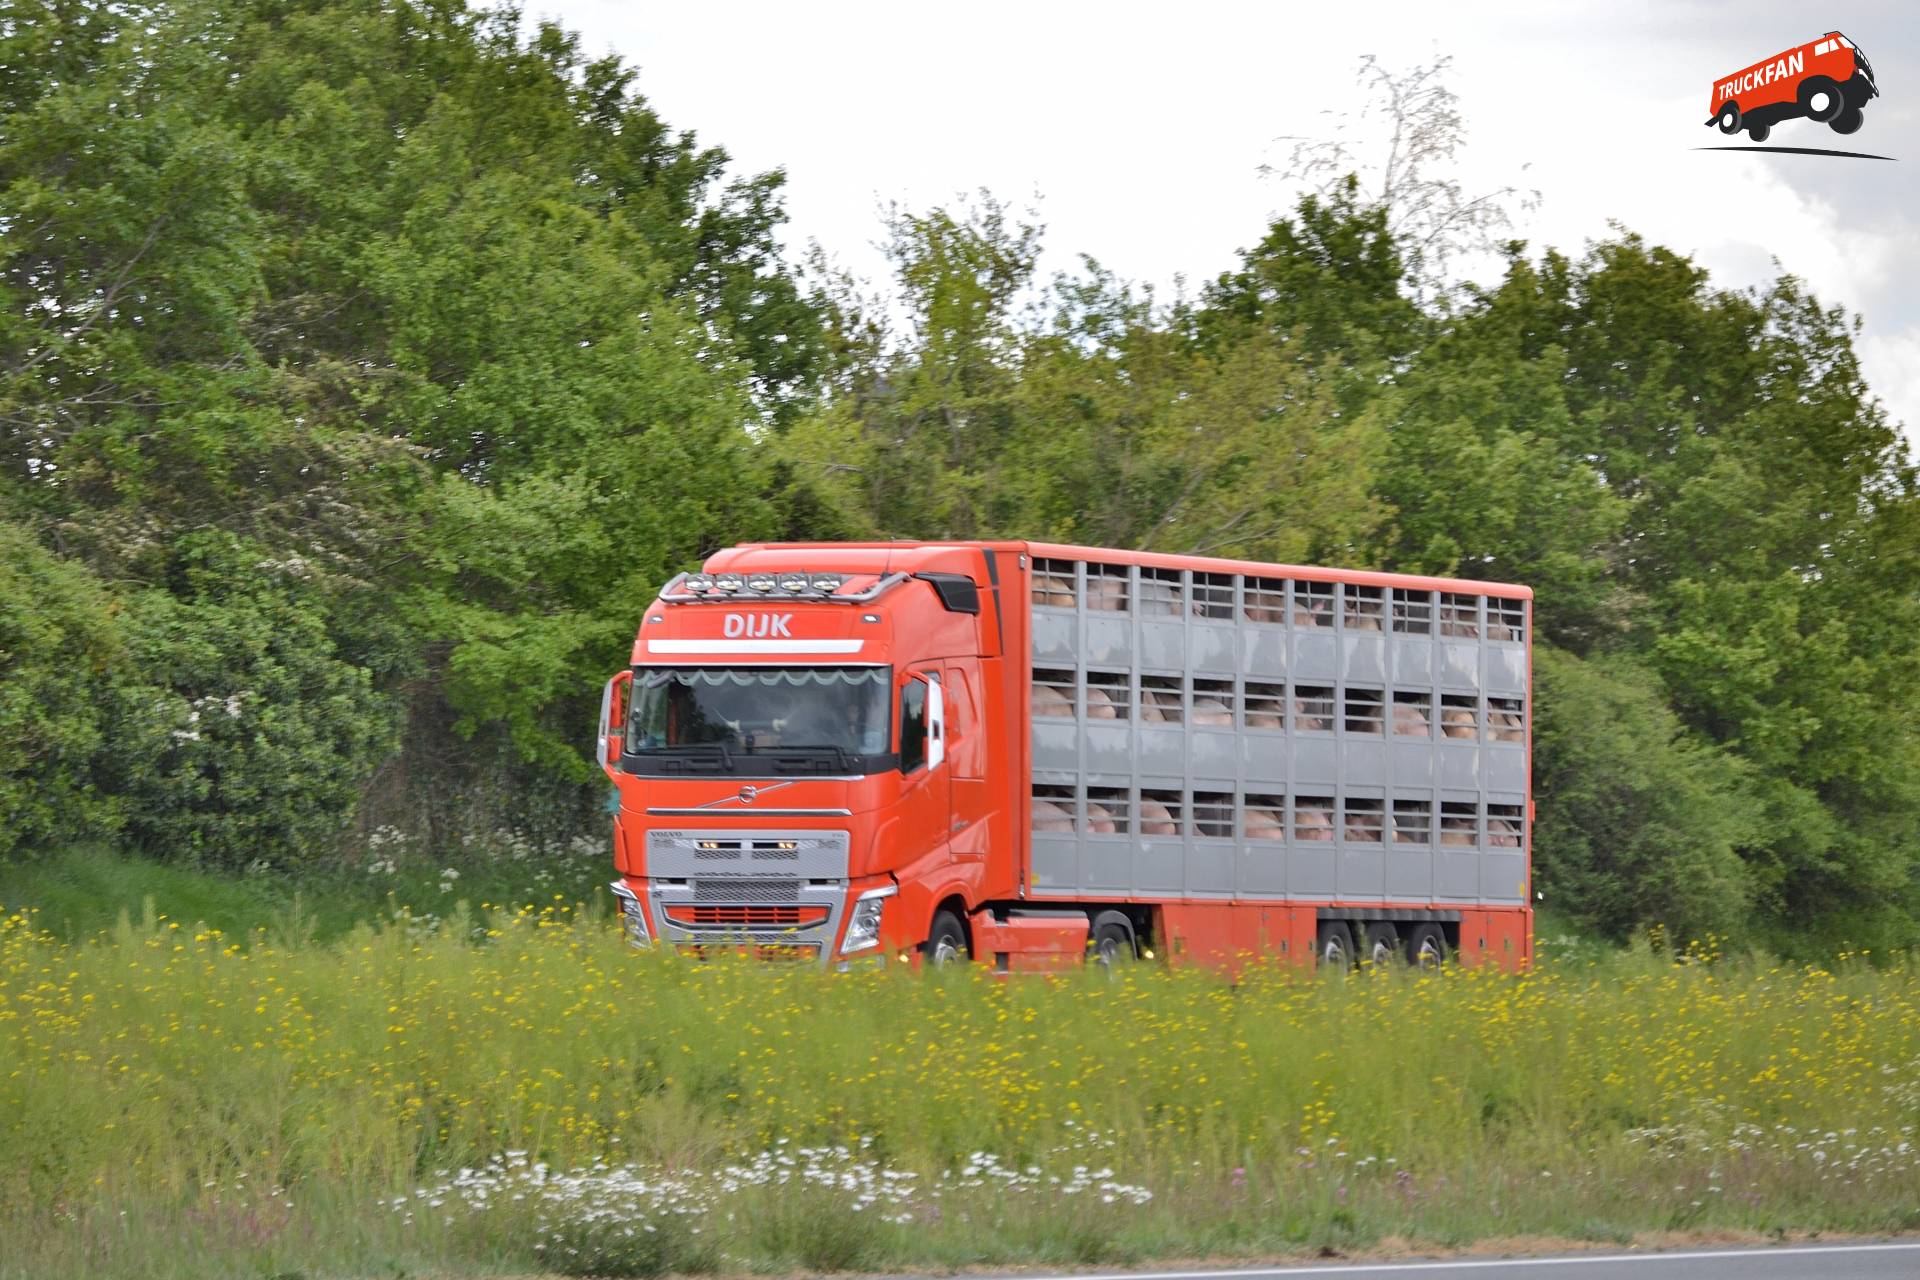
<point x="793" y="583"/>
<point x="698" y="583"/>
<point x="761" y="582"/>
<point x="728" y="582"/>
<point x="863" y="926"/>
<point x="633" y="916"/>
<point x="826" y="583"/>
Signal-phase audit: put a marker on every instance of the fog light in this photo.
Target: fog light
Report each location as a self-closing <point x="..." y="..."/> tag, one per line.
<point x="728" y="582"/>
<point x="827" y="583"/>
<point x="793" y="583"/>
<point x="761" y="582"/>
<point x="698" y="583"/>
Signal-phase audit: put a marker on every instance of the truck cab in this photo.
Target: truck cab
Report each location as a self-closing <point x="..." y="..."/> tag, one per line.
<point x="800" y="747"/>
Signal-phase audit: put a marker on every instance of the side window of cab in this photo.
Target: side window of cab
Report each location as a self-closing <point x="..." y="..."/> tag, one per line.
<point x="913" y="725"/>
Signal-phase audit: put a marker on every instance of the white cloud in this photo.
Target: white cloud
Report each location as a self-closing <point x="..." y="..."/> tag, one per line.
<point x="1142" y="127"/>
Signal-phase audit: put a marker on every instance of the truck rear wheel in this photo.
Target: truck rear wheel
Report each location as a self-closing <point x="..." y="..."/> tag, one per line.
<point x="1427" y="947"/>
<point x="1729" y="118"/>
<point x="1382" y="946"/>
<point x="1758" y="132"/>
<point x="1335" y="949"/>
<point x="946" y="940"/>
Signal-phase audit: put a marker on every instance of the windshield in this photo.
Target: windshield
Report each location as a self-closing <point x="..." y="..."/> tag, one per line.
<point x="761" y="720"/>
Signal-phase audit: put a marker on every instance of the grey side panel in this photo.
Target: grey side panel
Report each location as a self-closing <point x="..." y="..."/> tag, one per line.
<point x="1506" y="768"/>
<point x="1310" y="869"/>
<point x="1210" y="869"/>
<point x="1177" y="638"/>
<point x="1056" y="637"/>
<point x="1506" y="669"/>
<point x="1056" y="863"/>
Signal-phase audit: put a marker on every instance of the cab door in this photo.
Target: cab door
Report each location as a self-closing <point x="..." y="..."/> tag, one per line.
<point x="925" y="808"/>
<point x="967" y="762"/>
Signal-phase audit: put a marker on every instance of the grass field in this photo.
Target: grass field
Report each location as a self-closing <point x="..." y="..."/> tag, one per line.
<point x="527" y="1095"/>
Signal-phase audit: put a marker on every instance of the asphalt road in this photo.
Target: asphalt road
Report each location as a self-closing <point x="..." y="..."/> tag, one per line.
<point x="1893" y="1261"/>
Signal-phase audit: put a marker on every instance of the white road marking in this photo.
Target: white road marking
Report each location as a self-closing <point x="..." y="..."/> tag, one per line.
<point x="1466" y="1264"/>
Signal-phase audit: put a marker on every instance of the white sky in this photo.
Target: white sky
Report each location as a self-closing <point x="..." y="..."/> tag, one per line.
<point x="1138" y="130"/>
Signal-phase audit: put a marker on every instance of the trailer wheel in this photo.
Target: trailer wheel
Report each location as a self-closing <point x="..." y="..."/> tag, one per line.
<point x="1758" y="131"/>
<point x="1427" y="947"/>
<point x="946" y="940"/>
<point x="1729" y="118"/>
<point x="1848" y="121"/>
<point x="1336" y="947"/>
<point x="1820" y="98"/>
<point x="1382" y="945"/>
<point x="1111" y="942"/>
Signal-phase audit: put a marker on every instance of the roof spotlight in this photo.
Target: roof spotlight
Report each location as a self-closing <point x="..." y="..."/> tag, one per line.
<point x="793" y="583"/>
<point x="826" y="583"/>
<point x="728" y="582"/>
<point x="698" y="583"/>
<point x="761" y="582"/>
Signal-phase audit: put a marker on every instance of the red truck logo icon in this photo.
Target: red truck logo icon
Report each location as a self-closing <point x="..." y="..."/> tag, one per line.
<point x="1827" y="80"/>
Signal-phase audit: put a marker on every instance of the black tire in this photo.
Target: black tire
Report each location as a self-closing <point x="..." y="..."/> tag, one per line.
<point x="1830" y="100"/>
<point x="946" y="941"/>
<point x="1334" y="950"/>
<point x="1111" y="942"/>
<point x="1758" y="132"/>
<point x="1379" y="946"/>
<point x="1729" y="118"/>
<point x="1848" y="121"/>
<point x="1427" y="947"/>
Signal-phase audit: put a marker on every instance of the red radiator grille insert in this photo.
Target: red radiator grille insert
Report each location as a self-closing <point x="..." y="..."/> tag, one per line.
<point x="746" y="917"/>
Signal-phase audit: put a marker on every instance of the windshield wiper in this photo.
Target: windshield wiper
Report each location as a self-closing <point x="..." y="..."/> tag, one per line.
<point x="840" y="757"/>
<point x="717" y="747"/>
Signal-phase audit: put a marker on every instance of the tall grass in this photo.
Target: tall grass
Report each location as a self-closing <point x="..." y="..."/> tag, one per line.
<point x="282" y="1104"/>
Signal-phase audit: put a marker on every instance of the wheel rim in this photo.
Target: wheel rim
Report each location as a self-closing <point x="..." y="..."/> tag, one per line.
<point x="1333" y="955"/>
<point x="1108" y="952"/>
<point x="1382" y="955"/>
<point x="1429" y="956"/>
<point x="944" y="952"/>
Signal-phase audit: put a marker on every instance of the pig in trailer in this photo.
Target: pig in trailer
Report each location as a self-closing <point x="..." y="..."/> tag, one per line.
<point x="1026" y="754"/>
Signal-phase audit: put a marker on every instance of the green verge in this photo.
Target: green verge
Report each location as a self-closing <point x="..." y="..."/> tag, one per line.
<point x="181" y="1100"/>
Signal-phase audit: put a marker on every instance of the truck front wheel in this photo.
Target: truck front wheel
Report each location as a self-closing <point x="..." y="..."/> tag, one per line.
<point x="946" y="940"/>
<point x="1112" y="940"/>
<point x="1820" y="98"/>
<point x="1848" y="121"/>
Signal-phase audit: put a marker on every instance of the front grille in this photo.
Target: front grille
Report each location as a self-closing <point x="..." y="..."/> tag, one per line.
<point x="786" y="916"/>
<point x="743" y="892"/>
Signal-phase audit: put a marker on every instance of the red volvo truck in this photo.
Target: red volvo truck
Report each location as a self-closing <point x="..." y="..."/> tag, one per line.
<point x="1027" y="754"/>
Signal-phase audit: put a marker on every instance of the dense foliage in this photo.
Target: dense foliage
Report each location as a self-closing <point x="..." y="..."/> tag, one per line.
<point x="365" y="363"/>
